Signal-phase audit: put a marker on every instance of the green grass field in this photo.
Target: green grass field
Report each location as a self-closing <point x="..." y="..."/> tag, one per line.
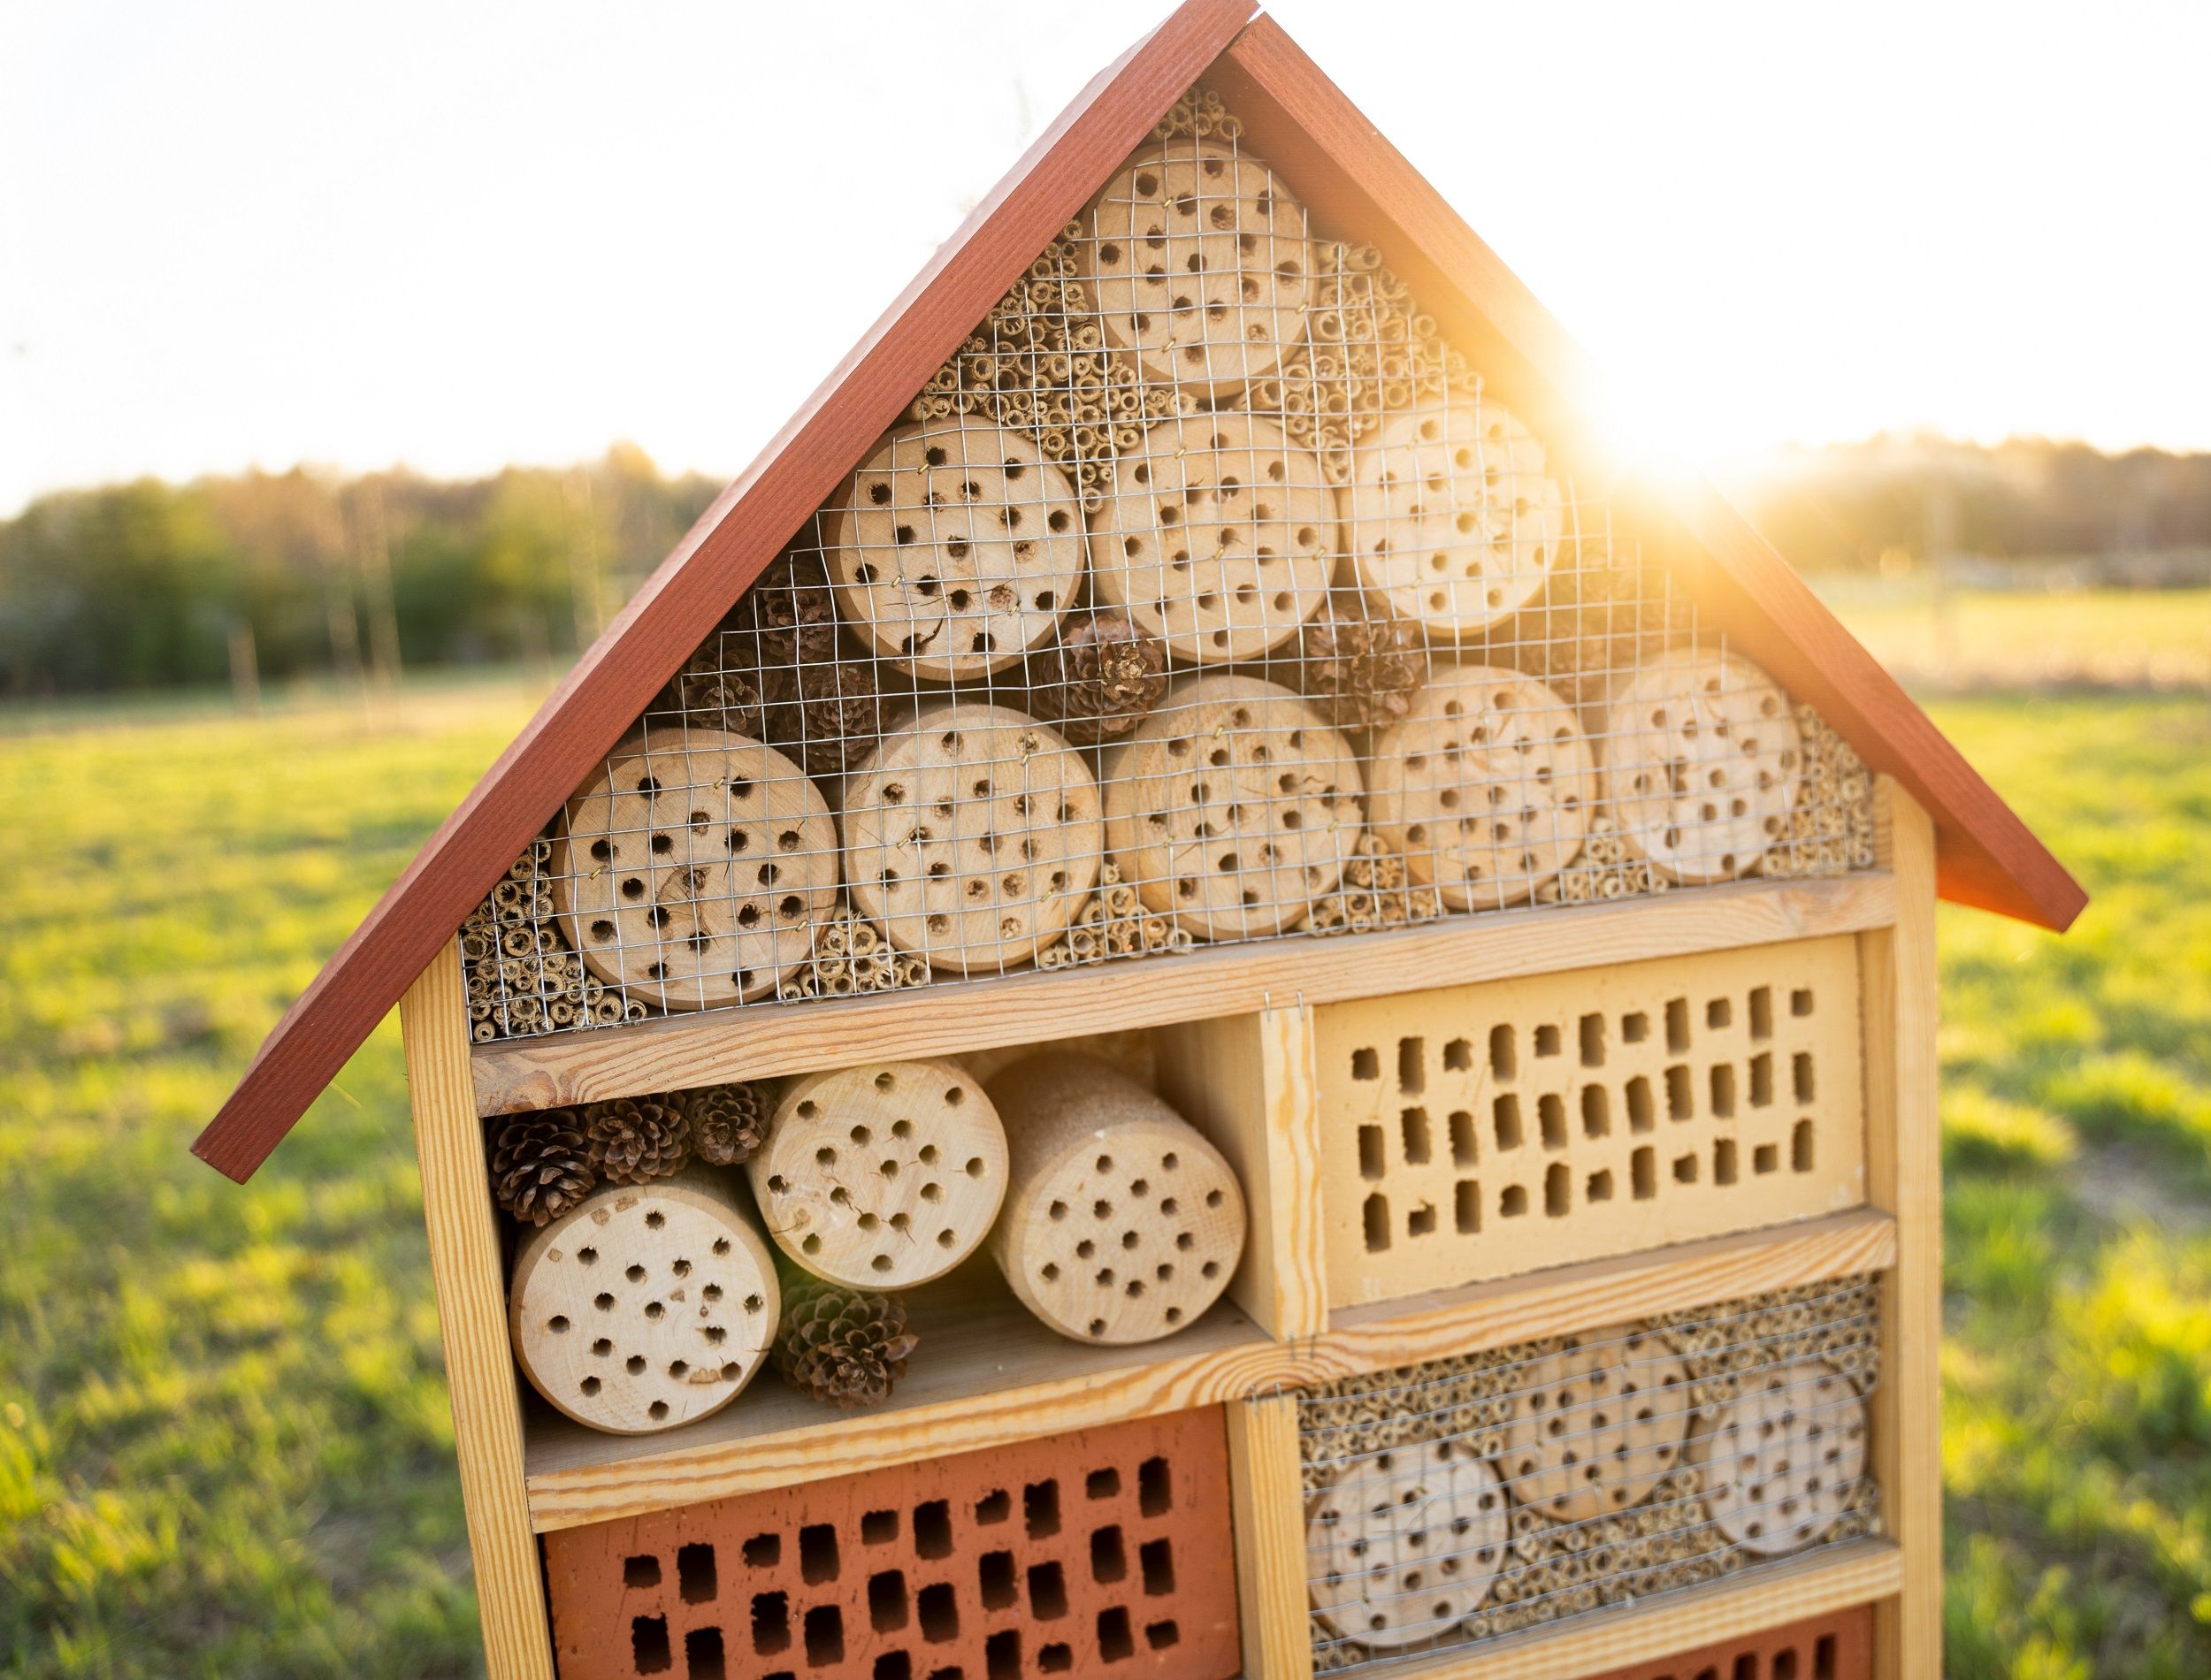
<point x="224" y="1436"/>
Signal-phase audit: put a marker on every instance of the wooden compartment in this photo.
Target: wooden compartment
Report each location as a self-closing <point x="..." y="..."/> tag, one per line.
<point x="1489" y="1130"/>
<point x="1104" y="1548"/>
<point x="1838" y="1647"/>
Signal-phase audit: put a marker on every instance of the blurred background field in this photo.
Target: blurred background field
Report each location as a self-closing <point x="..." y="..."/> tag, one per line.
<point x="224" y="1436"/>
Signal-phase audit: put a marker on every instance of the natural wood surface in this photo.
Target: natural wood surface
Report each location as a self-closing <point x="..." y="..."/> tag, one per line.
<point x="882" y="1175"/>
<point x="1487" y="1131"/>
<point x="945" y="1020"/>
<point x="1783" y="1460"/>
<point x="990" y="1373"/>
<point x="1771" y="1595"/>
<point x="647" y="1306"/>
<point x="471" y="1292"/>
<point x="728" y="547"/>
<point x="1122" y="1223"/>
<point x="1359" y="186"/>
<point x="1268" y="1489"/>
<point x="1904" y="1173"/>
<point x="1405" y="1542"/>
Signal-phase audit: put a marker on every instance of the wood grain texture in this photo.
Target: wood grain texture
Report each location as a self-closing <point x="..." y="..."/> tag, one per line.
<point x="1832" y="1579"/>
<point x="994" y="1375"/>
<point x="1359" y="186"/>
<point x="1904" y="1174"/>
<point x="472" y="1293"/>
<point x="728" y="547"/>
<point x="1267" y="1492"/>
<point x="945" y="1020"/>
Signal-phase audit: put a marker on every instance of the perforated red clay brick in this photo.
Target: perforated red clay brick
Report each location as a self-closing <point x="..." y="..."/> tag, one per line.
<point x="1825" y="1647"/>
<point x="1104" y="1551"/>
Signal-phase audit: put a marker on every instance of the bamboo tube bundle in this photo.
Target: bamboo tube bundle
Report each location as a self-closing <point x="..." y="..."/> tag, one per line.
<point x="1486" y="787"/>
<point x="1122" y="1223"/>
<point x="882" y="1176"/>
<point x="645" y="1306"/>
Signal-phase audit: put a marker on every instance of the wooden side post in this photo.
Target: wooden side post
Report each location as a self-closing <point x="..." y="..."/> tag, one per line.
<point x="464" y="1266"/>
<point x="1268" y="1494"/>
<point x="1904" y="1177"/>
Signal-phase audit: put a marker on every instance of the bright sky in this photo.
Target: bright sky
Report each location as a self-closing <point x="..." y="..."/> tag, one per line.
<point x="459" y="235"/>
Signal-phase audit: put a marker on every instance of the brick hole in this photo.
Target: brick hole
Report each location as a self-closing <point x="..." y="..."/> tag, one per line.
<point x="1504" y="1120"/>
<point x="703" y="1658"/>
<point x="1371" y="1162"/>
<point x="1160" y="1635"/>
<point x="1551" y="1112"/>
<point x="1678" y="1025"/>
<point x="1680" y="1093"/>
<point x="876" y="1528"/>
<point x="951" y="1671"/>
<point x="1376" y="1215"/>
<point x="1596" y="1111"/>
<point x="1784" y="1665"/>
<point x="1762" y="1080"/>
<point x="1464" y="1147"/>
<point x="1599" y="1187"/>
<point x="1642" y="1113"/>
<point x="1421" y="1221"/>
<point x="1366" y="1063"/>
<point x="994" y="1580"/>
<point x="1115" y="1644"/>
<point x="1801" y="1002"/>
<point x="1155" y="1487"/>
<point x="1718" y="1014"/>
<point x="1634" y="1028"/>
<point x="1642" y="1171"/>
<point x="1413" y="1124"/>
<point x="763" y="1551"/>
<point x="1466" y="1206"/>
<point x="1002" y="1654"/>
<point x="1459" y="1056"/>
<point x="1513" y="1204"/>
<point x="1800" y="1147"/>
<point x="1109" y="1560"/>
<point x="1412" y="1066"/>
<point x="1047" y="1593"/>
<point x="993" y="1507"/>
<point x="886" y="1601"/>
<point x="1801" y="1076"/>
<point x="824" y="1636"/>
<point x="1722" y="1090"/>
<point x="817" y="1551"/>
<point x="1823" y="1658"/>
<point x="771" y="1623"/>
<point x="932" y="1528"/>
<point x="1765" y="1158"/>
<point x="1723" y="1165"/>
<point x="1503" y="1060"/>
<point x="641" y="1574"/>
<point x="1156" y="1560"/>
<point x="1559" y="1190"/>
<point x="893" y="1665"/>
<point x="649" y="1651"/>
<point x="939" y="1612"/>
<point x="1762" y="1012"/>
<point x="1101" y="1484"/>
<point x="1593" y="1041"/>
<point x="1547" y="1038"/>
<point x="1746" y="1668"/>
<point x="1054" y="1658"/>
<point x="695" y="1574"/>
<point x="1040" y="1509"/>
<point x="1685" y="1168"/>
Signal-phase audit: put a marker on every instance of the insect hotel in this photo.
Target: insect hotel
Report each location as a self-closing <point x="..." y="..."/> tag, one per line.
<point x="1182" y="1001"/>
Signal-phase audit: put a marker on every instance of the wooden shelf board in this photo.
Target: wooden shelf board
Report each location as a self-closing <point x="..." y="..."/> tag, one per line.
<point x="760" y="1041"/>
<point x="988" y="1374"/>
<point x="1771" y="1595"/>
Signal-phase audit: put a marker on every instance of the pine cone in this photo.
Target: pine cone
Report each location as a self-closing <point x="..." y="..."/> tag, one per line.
<point x="721" y="685"/>
<point x="1362" y="666"/>
<point x="836" y="719"/>
<point x="790" y="611"/>
<point x="636" y="1138"/>
<point x="729" y="1123"/>
<point x="1595" y="624"/>
<point x="541" y="1164"/>
<point x="841" y="1347"/>
<point x="1099" y="679"/>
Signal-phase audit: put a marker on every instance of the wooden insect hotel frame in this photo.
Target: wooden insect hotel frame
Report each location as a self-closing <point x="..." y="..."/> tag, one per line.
<point x="1167" y="1006"/>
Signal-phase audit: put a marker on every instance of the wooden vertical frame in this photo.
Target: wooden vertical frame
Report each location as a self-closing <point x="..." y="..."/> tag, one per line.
<point x="1267" y="1490"/>
<point x="1247" y="1082"/>
<point x="1904" y="1178"/>
<point x="464" y="1267"/>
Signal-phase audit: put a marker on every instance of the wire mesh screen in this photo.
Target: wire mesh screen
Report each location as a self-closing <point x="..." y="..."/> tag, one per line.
<point x="1455" y="1502"/>
<point x="1204" y="595"/>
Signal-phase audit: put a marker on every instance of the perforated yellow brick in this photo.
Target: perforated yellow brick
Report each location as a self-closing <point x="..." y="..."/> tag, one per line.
<point x="1483" y="1131"/>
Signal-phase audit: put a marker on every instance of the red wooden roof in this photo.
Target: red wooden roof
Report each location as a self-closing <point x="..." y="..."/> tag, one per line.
<point x="1355" y="183"/>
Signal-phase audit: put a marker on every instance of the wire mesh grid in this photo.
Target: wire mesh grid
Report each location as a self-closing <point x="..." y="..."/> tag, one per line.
<point x="1204" y="595"/>
<point x="1455" y="1502"/>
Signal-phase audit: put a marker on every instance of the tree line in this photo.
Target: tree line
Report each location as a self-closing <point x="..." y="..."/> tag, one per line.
<point x="151" y="585"/>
